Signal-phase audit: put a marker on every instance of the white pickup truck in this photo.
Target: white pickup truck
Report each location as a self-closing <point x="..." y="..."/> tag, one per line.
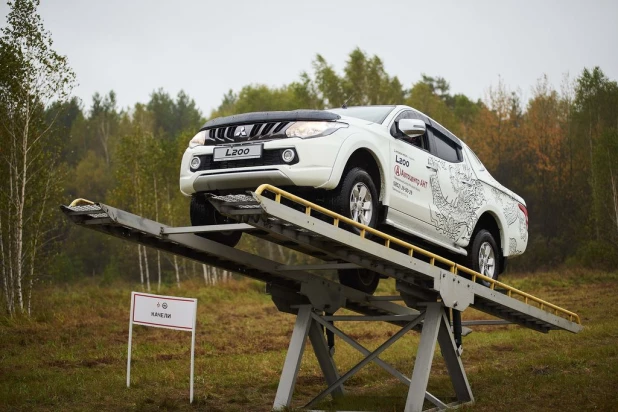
<point x="390" y="167"/>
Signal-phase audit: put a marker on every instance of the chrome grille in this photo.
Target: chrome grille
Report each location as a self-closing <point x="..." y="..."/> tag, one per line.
<point x="245" y="132"/>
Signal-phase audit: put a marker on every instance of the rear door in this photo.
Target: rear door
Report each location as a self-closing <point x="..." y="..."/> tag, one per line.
<point x="455" y="192"/>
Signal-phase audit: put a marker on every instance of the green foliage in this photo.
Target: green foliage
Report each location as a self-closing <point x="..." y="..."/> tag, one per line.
<point x="439" y="87"/>
<point x="33" y="68"/>
<point x="605" y="180"/>
<point x="255" y="98"/>
<point x="92" y="178"/>
<point x="596" y="254"/>
<point x="104" y="123"/>
<point x="595" y="111"/>
<point x="64" y="268"/>
<point x="364" y="81"/>
<point x="173" y="117"/>
<point x="35" y="83"/>
<point x="542" y="253"/>
<point x="423" y="98"/>
<point x="111" y="273"/>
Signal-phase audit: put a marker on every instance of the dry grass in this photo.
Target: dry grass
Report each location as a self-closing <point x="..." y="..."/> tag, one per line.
<point x="72" y="354"/>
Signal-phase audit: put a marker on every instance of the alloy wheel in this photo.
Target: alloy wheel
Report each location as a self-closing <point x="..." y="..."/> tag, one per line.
<point x="487" y="260"/>
<point x="361" y="205"/>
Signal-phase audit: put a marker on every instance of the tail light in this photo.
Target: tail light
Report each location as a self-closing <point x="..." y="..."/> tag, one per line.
<point x="523" y="209"/>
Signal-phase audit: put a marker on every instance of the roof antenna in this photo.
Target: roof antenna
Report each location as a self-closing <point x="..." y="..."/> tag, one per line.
<point x="345" y="104"/>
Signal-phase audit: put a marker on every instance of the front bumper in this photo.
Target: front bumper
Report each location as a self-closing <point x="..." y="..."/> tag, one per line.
<point x="316" y="158"/>
<point x="239" y="180"/>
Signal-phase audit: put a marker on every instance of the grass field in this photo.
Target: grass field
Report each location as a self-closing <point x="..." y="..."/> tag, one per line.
<point x="72" y="354"/>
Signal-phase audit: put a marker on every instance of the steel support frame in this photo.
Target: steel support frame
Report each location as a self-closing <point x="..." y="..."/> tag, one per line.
<point x="435" y="329"/>
<point x="417" y="281"/>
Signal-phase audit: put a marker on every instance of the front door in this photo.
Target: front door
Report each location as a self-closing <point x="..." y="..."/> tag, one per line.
<point x="409" y="177"/>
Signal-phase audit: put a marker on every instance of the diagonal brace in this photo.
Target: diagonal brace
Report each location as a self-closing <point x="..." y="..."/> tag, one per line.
<point x="366" y="352"/>
<point x="365" y="361"/>
<point x="322" y="320"/>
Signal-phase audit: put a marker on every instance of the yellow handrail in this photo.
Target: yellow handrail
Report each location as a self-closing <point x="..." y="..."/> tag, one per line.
<point x="80" y="202"/>
<point x="389" y="240"/>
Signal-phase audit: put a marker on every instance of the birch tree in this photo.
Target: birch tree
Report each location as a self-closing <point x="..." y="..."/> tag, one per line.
<point x="104" y="118"/>
<point x="33" y="76"/>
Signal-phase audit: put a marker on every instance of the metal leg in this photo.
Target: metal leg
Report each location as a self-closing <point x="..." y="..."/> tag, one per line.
<point x="454" y="366"/>
<point x="457" y="327"/>
<point x="322" y="352"/>
<point x="424" y="357"/>
<point x="293" y="358"/>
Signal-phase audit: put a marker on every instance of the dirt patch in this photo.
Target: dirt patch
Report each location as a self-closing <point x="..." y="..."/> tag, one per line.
<point x="541" y="370"/>
<point x="368" y="335"/>
<point x="167" y="356"/>
<point x="91" y="363"/>
<point x="60" y="363"/>
<point x="310" y="380"/>
<point x="502" y="347"/>
<point x="88" y="363"/>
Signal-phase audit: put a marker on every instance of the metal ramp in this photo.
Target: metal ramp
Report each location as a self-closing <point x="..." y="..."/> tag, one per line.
<point x="435" y="290"/>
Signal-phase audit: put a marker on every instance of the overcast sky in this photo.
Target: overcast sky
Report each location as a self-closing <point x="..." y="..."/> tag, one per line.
<point x="209" y="47"/>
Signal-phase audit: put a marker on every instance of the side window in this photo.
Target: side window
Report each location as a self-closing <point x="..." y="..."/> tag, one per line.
<point x="446" y="149"/>
<point x="475" y="160"/>
<point x="419" y="141"/>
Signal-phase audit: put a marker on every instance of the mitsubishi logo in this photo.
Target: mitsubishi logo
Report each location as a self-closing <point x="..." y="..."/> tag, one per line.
<point x="241" y="132"/>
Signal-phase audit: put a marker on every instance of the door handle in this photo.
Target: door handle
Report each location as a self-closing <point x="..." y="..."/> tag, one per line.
<point x="467" y="182"/>
<point x="434" y="168"/>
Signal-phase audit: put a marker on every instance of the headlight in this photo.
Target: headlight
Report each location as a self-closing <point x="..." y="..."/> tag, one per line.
<point x="313" y="129"/>
<point x="198" y="139"/>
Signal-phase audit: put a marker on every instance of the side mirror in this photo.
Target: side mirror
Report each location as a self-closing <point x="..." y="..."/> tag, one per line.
<point x="412" y="127"/>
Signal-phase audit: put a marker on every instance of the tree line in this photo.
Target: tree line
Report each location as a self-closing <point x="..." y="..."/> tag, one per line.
<point x="558" y="150"/>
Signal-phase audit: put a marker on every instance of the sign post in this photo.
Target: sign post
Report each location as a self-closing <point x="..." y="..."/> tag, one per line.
<point x="167" y="312"/>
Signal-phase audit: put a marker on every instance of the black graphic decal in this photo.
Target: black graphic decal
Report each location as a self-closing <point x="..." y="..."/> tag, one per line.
<point x="455" y="217"/>
<point x="513" y="247"/>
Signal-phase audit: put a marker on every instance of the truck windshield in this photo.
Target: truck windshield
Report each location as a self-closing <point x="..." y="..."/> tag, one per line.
<point x="375" y="114"/>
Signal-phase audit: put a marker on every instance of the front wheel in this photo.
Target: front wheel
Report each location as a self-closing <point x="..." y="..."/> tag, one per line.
<point x="360" y="279"/>
<point x="356" y="198"/>
<point x="203" y="213"/>
<point x="484" y="256"/>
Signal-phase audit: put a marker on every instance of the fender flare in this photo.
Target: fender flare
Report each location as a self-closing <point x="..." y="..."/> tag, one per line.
<point x="350" y="145"/>
<point x="498" y="216"/>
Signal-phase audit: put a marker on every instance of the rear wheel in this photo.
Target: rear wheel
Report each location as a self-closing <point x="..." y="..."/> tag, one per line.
<point x="356" y="198"/>
<point x="484" y="255"/>
<point x="202" y="213"/>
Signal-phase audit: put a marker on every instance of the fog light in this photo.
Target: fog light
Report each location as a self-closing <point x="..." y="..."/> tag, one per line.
<point x="195" y="162"/>
<point x="288" y="155"/>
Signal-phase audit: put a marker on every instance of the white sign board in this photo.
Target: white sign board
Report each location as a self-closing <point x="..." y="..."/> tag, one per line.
<point x="163" y="311"/>
<point x="159" y="311"/>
